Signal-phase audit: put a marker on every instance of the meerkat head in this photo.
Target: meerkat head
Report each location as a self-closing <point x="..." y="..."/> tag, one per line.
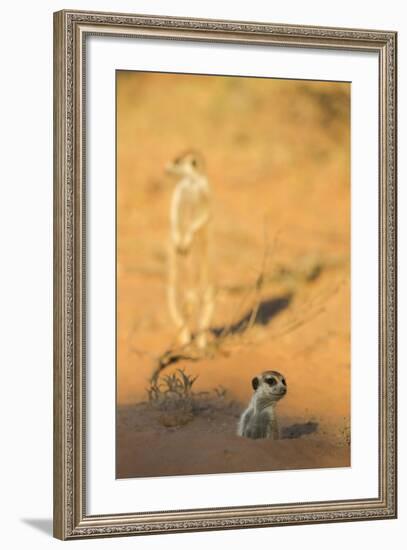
<point x="269" y="386"/>
<point x="189" y="163"/>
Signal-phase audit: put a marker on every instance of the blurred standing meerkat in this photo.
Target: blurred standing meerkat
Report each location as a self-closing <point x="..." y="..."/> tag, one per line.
<point x="259" y="420"/>
<point x="190" y="290"/>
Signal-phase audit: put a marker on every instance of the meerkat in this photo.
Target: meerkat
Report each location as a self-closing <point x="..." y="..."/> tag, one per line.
<point x="190" y="291"/>
<point x="259" y="420"/>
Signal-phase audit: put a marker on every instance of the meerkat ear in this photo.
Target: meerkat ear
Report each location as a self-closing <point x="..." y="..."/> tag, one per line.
<point x="255" y="383"/>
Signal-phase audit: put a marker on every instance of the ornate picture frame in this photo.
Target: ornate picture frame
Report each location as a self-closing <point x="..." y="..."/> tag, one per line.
<point x="71" y="517"/>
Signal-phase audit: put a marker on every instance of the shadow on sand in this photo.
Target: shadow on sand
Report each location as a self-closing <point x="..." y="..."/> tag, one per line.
<point x="266" y="311"/>
<point x="260" y="315"/>
<point x="297" y="430"/>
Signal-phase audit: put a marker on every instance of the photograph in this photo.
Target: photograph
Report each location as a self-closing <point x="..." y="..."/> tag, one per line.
<point x="225" y="298"/>
<point x="233" y="304"/>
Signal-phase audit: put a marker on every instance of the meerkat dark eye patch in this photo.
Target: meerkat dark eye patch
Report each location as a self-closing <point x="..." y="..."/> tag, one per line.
<point x="255" y="383"/>
<point x="283" y="382"/>
<point x="193" y="162"/>
<point x="271" y="381"/>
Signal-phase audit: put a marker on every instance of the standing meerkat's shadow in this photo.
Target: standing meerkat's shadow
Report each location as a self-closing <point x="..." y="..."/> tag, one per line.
<point x="267" y="310"/>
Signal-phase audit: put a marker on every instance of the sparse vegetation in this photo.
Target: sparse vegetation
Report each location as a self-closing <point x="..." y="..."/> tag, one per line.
<point x="173" y="397"/>
<point x="278" y="160"/>
<point x="176" y="386"/>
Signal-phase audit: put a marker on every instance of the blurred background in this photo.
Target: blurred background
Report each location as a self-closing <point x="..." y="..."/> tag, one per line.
<point x="278" y="162"/>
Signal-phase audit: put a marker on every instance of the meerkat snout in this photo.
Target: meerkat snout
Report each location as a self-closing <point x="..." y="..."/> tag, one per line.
<point x="270" y="385"/>
<point x="259" y="419"/>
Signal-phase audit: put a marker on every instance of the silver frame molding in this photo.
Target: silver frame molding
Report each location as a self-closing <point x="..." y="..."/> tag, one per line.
<point x="70" y="31"/>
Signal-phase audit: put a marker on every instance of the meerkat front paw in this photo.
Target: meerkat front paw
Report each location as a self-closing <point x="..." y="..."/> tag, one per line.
<point x="183" y="245"/>
<point x="182" y="250"/>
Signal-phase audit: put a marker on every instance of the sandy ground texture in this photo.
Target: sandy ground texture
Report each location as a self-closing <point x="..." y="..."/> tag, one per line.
<point x="277" y="155"/>
<point x="156" y="443"/>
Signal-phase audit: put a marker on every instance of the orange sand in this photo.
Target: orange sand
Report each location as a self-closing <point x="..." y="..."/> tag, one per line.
<point x="278" y="163"/>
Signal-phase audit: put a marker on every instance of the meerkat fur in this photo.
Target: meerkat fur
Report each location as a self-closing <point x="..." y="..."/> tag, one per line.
<point x="259" y="420"/>
<point x="190" y="290"/>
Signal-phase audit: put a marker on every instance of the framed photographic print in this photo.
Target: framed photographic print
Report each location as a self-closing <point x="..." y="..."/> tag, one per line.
<point x="225" y="274"/>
